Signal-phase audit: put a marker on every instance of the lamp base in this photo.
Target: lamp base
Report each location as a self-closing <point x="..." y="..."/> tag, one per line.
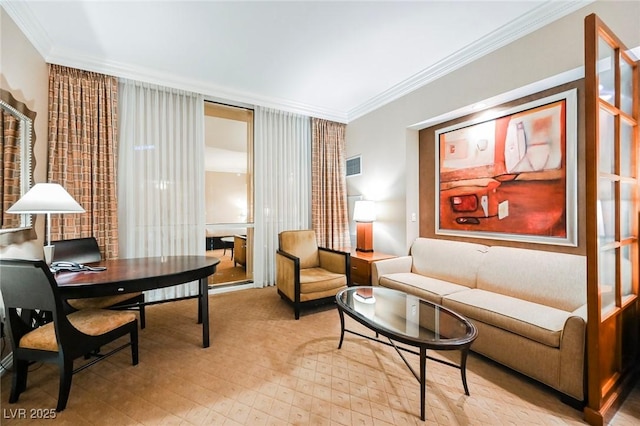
<point x="364" y="237"/>
<point x="48" y="254"/>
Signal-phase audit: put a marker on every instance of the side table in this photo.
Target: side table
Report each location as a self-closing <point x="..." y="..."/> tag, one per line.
<point x="361" y="265"/>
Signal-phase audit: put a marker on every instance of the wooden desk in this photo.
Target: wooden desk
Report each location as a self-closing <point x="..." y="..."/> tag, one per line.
<point x="361" y="265"/>
<point x="140" y="274"/>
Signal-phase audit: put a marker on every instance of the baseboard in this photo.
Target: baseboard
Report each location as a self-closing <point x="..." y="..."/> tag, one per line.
<point x="217" y="289"/>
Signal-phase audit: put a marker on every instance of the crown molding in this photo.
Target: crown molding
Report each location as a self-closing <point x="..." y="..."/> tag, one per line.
<point x="21" y="14"/>
<point x="209" y="91"/>
<point x="535" y="19"/>
<point x="527" y="23"/>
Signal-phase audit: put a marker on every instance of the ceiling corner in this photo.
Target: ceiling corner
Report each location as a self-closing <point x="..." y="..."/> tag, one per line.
<point x="535" y="19"/>
<point x="21" y="14"/>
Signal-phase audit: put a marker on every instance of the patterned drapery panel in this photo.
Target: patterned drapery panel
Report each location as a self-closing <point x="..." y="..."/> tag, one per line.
<point x="10" y="158"/>
<point x="329" y="211"/>
<point x="83" y="153"/>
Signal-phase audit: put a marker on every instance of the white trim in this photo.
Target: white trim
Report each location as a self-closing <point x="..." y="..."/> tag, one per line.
<point x="528" y="23"/>
<point x="537" y="18"/>
<point x="229" y="288"/>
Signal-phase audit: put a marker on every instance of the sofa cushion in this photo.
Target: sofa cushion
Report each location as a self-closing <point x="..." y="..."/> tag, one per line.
<point x="453" y="261"/>
<point x="427" y="288"/>
<point x="557" y="280"/>
<point x="537" y="322"/>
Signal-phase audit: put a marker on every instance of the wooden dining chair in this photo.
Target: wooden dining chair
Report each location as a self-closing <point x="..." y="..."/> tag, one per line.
<point x="29" y="285"/>
<point x="86" y="250"/>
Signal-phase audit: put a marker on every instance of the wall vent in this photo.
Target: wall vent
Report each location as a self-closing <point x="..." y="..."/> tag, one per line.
<point x="354" y="166"/>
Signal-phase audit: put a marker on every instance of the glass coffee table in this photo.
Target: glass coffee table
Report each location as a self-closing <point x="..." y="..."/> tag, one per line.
<point x="407" y="319"/>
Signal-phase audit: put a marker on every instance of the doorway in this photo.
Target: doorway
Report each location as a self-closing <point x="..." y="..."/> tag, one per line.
<point x="229" y="192"/>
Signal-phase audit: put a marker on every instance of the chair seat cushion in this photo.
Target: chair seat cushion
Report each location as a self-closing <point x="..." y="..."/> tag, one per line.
<point x="318" y="280"/>
<point x="93" y="322"/>
<point x="101" y="302"/>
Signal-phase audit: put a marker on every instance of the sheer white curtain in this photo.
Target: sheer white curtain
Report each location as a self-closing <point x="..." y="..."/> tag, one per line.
<point x="282" y="183"/>
<point x="161" y="175"/>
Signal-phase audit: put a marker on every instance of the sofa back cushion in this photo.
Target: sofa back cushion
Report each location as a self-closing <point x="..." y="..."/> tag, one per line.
<point x="558" y="280"/>
<point x="452" y="261"/>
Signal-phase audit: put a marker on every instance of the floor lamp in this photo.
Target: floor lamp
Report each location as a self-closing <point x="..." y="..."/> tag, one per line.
<point x="46" y="198"/>
<point x="364" y="214"/>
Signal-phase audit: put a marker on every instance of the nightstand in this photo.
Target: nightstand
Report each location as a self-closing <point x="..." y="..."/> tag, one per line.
<point x="361" y="265"/>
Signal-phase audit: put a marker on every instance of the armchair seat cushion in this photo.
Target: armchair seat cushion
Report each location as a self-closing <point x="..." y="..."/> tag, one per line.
<point x="317" y="280"/>
<point x="93" y="322"/>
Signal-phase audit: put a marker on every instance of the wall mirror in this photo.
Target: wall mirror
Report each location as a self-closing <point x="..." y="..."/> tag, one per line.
<point x="17" y="137"/>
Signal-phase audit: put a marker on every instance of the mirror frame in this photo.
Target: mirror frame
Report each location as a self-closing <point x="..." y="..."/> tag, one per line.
<point x="26" y="117"/>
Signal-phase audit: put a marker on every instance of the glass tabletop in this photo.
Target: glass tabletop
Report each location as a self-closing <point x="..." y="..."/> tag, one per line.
<point x="405" y="316"/>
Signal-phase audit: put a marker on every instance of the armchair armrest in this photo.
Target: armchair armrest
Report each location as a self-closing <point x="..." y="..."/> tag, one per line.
<point x="288" y="274"/>
<point x="390" y="266"/>
<point x="336" y="261"/>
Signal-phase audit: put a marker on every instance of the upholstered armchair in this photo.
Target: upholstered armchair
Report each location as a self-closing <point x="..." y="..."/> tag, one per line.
<point x="307" y="274"/>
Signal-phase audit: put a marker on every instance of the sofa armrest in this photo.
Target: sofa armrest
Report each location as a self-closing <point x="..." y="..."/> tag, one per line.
<point x="572" y="355"/>
<point x="390" y="266"/>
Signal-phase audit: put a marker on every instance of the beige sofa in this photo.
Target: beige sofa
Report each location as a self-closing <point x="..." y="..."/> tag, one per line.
<point x="529" y="306"/>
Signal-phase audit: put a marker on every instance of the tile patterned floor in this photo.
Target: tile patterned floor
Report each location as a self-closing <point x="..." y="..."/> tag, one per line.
<point x="265" y="368"/>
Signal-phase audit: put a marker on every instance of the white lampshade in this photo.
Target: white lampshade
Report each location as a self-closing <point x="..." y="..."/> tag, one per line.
<point x="364" y="211"/>
<point x="46" y="198"/>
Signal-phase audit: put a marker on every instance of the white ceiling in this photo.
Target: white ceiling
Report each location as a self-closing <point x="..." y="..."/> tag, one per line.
<point x="329" y="59"/>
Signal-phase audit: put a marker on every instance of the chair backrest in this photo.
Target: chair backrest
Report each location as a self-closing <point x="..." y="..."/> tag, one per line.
<point x="79" y="250"/>
<point x="301" y="244"/>
<point x="28" y="284"/>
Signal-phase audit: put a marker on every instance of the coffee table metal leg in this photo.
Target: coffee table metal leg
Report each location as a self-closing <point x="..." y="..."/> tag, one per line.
<point x="341" y="327"/>
<point x="463" y="369"/>
<point x="423" y="380"/>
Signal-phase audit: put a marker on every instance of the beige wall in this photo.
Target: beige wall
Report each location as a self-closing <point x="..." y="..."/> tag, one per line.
<point x="23" y="72"/>
<point x="225" y="197"/>
<point x="389" y="146"/>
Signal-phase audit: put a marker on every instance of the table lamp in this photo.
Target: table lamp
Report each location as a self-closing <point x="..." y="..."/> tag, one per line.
<point x="46" y="198"/>
<point x="364" y="214"/>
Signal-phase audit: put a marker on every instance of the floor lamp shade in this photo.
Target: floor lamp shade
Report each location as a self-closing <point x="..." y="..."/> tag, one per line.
<point x="46" y="198"/>
<point x="364" y="214"/>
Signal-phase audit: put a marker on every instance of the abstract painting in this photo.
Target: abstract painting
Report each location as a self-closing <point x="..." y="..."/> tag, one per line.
<point x="511" y="175"/>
